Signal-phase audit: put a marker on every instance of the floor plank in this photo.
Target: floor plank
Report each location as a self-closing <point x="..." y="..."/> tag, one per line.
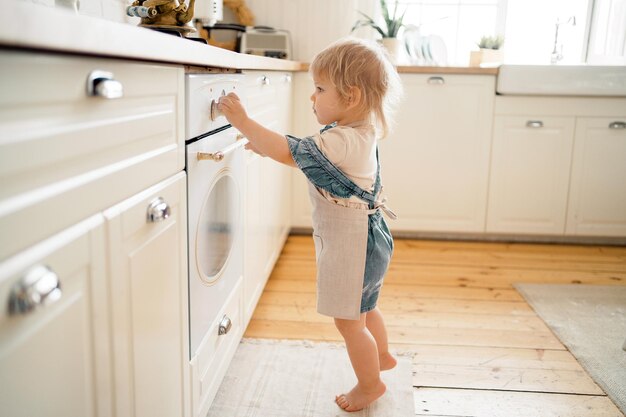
<point x="484" y="403"/>
<point x="478" y="348"/>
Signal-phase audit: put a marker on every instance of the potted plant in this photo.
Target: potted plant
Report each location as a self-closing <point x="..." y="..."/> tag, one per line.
<point x="388" y="31"/>
<point x="489" y="53"/>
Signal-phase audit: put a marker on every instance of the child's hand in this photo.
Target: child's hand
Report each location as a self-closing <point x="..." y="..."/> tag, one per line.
<point x="232" y="109"/>
<point x="249" y="146"/>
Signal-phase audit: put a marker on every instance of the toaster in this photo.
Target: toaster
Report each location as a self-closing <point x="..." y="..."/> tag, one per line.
<point x="265" y="41"/>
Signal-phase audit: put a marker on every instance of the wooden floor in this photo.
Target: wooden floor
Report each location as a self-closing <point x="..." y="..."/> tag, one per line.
<point x="480" y="350"/>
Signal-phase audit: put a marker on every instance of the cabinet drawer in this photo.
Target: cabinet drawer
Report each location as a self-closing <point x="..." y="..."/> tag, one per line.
<point x="264" y="92"/>
<point x="65" y="155"/>
<point x="209" y="366"/>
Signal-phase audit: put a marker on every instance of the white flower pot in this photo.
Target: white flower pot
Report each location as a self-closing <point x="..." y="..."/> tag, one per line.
<point x="396" y="50"/>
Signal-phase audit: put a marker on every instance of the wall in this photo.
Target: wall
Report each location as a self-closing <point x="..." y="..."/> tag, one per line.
<point x="312" y="24"/>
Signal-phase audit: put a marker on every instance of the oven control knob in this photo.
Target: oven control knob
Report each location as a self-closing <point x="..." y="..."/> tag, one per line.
<point x="215" y="111"/>
<point x="225" y="325"/>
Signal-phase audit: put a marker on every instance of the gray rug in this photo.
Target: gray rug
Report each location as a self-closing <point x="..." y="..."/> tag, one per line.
<point x="591" y="321"/>
<point x="269" y="378"/>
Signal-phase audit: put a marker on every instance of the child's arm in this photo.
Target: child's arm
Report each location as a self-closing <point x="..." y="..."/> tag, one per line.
<point x="264" y="140"/>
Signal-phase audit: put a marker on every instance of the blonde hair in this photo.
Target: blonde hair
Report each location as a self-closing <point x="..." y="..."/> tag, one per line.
<point x="353" y="62"/>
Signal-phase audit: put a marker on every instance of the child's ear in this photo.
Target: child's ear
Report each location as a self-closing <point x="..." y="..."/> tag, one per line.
<point x="355" y="97"/>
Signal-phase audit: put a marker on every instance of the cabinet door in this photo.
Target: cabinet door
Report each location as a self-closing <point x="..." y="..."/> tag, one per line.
<point x="597" y="203"/>
<point x="148" y="273"/>
<point x="54" y="359"/>
<point x="529" y="174"/>
<point x="435" y="163"/>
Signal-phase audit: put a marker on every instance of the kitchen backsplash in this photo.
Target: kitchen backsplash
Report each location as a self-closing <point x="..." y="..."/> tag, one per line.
<point x="312" y="24"/>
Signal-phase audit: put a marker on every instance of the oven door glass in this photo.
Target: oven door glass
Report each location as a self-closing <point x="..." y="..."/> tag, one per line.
<point x="217" y="228"/>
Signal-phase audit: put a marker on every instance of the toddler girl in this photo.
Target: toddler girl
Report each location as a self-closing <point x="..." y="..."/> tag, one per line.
<point x="354" y="82"/>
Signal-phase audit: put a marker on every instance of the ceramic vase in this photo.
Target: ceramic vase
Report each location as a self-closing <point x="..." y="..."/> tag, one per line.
<point x="486" y="56"/>
<point x="395" y="47"/>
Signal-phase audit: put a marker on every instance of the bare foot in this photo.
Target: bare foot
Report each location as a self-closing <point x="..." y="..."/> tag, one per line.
<point x="358" y="398"/>
<point x="387" y="361"/>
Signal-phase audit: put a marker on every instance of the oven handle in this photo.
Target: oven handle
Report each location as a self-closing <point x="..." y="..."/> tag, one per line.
<point x="219" y="155"/>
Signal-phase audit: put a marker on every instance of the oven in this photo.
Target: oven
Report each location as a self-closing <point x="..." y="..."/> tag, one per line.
<point x="215" y="164"/>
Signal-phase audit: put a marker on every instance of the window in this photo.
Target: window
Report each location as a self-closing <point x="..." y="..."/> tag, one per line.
<point x="461" y="23"/>
<point x="528" y="26"/>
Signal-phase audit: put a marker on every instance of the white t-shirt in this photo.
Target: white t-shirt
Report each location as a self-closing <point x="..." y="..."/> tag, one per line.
<point x="352" y="149"/>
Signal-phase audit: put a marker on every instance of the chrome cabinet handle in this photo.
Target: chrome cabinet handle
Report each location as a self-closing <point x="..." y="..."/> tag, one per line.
<point x="219" y="155"/>
<point x="288" y="78"/>
<point x="436" y="81"/>
<point x="225" y="325"/>
<point x="102" y="84"/>
<point x="535" y="124"/>
<point x="158" y="210"/>
<point x="617" y="125"/>
<point x="39" y="286"/>
<point x="265" y="80"/>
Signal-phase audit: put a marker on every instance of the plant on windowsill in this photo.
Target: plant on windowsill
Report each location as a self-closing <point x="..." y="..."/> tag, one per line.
<point x="389" y="31"/>
<point x="489" y="54"/>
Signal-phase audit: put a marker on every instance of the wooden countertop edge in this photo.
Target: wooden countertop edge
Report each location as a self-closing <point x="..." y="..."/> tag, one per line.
<point x="412" y="69"/>
<point x="417" y="69"/>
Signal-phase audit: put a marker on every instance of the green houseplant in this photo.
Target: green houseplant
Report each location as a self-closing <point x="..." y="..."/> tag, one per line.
<point x="388" y="31"/>
<point x="393" y="22"/>
<point x="489" y="53"/>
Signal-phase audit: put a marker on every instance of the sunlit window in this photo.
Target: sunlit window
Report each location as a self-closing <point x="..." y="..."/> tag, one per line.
<point x="528" y="26"/>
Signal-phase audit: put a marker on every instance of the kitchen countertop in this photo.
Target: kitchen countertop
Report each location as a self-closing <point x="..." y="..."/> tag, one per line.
<point x="25" y="25"/>
<point x="29" y="26"/>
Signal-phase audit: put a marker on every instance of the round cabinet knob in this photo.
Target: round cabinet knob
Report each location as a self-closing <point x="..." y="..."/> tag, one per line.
<point x="39" y="286"/>
<point x="158" y="210"/>
<point x="265" y="80"/>
<point x="102" y="84"/>
<point x="225" y="325"/>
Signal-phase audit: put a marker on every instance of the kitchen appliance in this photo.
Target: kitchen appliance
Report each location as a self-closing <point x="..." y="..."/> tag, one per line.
<point x="215" y="167"/>
<point x="266" y="41"/>
<point x="208" y="12"/>
<point x="169" y="15"/>
<point x="258" y="40"/>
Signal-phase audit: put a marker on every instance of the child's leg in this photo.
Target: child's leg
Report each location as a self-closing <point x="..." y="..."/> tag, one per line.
<point x="363" y="353"/>
<point x="376" y="325"/>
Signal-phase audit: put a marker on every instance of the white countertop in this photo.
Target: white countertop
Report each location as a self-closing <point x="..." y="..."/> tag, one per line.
<point x="25" y="25"/>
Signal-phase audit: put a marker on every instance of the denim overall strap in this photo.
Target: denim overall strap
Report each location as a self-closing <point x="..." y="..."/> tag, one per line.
<point x="324" y="174"/>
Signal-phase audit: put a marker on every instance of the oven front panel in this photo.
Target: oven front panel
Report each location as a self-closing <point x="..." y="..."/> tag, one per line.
<point x="215" y="235"/>
<point x="201" y="91"/>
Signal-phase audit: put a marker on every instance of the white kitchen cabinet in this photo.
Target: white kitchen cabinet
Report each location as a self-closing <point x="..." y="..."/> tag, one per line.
<point x="530" y="166"/>
<point x="147" y="262"/>
<point x="597" y="198"/>
<point x="567" y="178"/>
<point x="60" y="145"/>
<point x="66" y="156"/>
<point x="268" y="185"/>
<point x="435" y="163"/>
<point x="55" y="359"/>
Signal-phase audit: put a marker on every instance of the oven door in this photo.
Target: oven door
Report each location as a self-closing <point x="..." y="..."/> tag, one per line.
<point x="215" y="193"/>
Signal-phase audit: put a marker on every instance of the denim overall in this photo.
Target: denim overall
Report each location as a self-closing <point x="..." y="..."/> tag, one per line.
<point x="353" y="246"/>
